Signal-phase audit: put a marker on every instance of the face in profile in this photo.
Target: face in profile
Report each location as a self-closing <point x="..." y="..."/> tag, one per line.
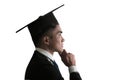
<point x="56" y="41"/>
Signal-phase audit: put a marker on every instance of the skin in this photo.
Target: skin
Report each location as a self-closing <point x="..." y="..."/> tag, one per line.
<point x="56" y="41"/>
<point x="53" y="42"/>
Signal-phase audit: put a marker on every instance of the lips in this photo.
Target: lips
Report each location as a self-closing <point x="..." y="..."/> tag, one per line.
<point x="62" y="44"/>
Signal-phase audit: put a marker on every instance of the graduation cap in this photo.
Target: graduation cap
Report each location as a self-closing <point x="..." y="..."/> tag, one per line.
<point x="41" y="25"/>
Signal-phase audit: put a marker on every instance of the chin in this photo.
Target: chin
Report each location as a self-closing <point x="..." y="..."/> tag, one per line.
<point x="59" y="50"/>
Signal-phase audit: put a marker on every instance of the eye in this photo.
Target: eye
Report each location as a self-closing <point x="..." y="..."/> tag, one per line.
<point x="59" y="35"/>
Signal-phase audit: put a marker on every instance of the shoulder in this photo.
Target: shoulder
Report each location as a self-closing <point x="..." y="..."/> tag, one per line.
<point x="38" y="59"/>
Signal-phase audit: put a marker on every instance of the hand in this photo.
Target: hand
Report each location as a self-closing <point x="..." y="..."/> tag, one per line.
<point x="67" y="58"/>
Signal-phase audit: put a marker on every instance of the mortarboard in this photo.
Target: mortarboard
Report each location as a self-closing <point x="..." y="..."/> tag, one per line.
<point x="39" y="26"/>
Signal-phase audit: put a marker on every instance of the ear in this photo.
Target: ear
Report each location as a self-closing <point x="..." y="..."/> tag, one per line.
<point x="46" y="40"/>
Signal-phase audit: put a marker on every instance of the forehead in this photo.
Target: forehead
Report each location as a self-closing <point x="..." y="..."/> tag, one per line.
<point x="57" y="29"/>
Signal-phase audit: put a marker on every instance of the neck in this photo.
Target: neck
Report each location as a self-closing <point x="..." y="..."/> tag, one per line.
<point x="47" y="49"/>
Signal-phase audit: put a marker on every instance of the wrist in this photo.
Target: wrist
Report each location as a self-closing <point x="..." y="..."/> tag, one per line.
<point x="72" y="69"/>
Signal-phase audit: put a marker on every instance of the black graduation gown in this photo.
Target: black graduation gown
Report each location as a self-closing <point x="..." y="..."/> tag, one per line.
<point x="40" y="68"/>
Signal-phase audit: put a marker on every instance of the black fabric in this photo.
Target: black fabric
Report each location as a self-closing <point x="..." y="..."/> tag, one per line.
<point x="75" y="76"/>
<point x="55" y="64"/>
<point x="40" y="68"/>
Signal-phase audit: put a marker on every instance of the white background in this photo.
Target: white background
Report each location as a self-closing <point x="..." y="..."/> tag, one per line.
<point x="91" y="29"/>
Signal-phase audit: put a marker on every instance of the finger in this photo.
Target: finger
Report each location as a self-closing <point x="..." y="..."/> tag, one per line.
<point x="64" y="53"/>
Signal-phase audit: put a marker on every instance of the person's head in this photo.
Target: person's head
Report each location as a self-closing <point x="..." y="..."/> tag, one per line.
<point x="52" y="40"/>
<point x="46" y="32"/>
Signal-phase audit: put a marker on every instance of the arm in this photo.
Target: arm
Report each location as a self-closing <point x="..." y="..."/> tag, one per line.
<point x="69" y="60"/>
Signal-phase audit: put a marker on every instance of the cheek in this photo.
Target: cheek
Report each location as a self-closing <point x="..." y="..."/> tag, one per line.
<point x="59" y="42"/>
<point x="56" y="42"/>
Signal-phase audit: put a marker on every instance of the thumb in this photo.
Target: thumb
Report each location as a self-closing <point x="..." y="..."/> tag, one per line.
<point x="64" y="53"/>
